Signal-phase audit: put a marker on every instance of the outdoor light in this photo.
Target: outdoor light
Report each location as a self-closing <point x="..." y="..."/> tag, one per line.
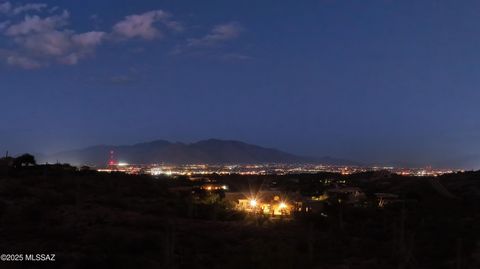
<point x="253" y="203"/>
<point x="283" y="205"/>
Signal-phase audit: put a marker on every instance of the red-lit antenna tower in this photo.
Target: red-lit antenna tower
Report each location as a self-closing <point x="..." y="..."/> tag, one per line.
<point x="112" y="161"/>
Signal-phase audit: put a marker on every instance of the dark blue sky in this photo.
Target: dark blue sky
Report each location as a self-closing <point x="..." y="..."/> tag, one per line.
<point x="374" y="81"/>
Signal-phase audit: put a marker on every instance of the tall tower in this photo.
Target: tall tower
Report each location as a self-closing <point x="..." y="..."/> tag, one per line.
<point x="112" y="162"/>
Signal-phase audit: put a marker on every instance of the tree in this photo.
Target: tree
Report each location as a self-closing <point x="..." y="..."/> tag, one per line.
<point x="24" y="160"/>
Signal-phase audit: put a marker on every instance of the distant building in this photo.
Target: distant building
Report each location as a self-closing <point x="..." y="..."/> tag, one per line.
<point x="345" y="195"/>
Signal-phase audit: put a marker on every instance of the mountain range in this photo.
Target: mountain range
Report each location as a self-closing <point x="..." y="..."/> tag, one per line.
<point x="211" y="151"/>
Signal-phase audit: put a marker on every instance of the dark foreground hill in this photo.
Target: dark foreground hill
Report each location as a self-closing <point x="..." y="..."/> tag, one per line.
<point x="212" y="151"/>
<point x="95" y="220"/>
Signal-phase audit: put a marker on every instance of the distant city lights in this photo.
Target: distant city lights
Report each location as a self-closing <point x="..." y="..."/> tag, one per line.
<point x="264" y="169"/>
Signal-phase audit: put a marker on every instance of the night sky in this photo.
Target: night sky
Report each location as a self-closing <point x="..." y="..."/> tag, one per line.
<point x="392" y="82"/>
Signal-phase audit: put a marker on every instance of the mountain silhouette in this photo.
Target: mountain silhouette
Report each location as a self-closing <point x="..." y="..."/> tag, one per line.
<point x="211" y="151"/>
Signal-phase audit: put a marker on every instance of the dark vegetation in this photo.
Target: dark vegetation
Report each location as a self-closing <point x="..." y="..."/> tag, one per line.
<point x="96" y="220"/>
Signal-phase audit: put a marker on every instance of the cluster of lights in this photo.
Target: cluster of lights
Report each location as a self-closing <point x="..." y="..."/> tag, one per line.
<point x="278" y="169"/>
<point x="215" y="187"/>
<point x="254" y="203"/>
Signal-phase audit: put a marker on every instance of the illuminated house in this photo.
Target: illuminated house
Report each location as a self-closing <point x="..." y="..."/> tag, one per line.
<point x="214" y="187"/>
<point x="267" y="203"/>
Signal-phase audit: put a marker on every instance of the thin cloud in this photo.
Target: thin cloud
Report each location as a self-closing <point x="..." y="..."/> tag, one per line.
<point x="36" y="24"/>
<point x="122" y="79"/>
<point x="144" y="25"/>
<point x="23" y="62"/>
<point x="218" y="35"/>
<point x="8" y="8"/>
<point x="37" y="7"/>
<point x="235" y="57"/>
<point x="5" y="8"/>
<point x="4" y="25"/>
<point x="96" y="21"/>
<point x="211" y="44"/>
